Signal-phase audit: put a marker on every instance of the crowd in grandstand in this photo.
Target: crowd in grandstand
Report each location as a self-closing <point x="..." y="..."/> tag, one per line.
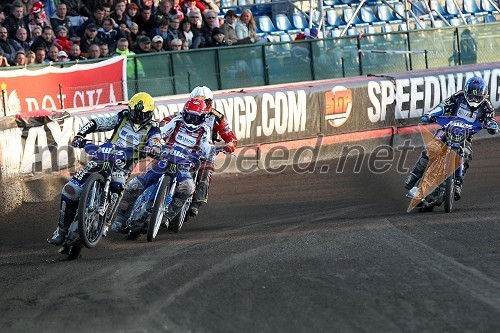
<point x="37" y="32"/>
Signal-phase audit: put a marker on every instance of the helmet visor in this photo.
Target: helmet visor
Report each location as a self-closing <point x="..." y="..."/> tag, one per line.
<point x="193" y="118"/>
<point x="138" y="117"/>
<point x="474" y="98"/>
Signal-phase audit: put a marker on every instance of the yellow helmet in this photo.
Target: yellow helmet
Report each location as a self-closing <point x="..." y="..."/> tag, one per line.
<point x="141" y="107"/>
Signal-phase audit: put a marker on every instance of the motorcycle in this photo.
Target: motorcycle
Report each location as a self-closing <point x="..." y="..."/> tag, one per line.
<point x="97" y="206"/>
<point x="150" y="207"/>
<point x="449" y="167"/>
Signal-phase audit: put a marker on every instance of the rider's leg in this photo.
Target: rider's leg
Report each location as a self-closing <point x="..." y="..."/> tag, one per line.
<point x="459" y="181"/>
<point x="417" y="171"/>
<point x="200" y="196"/>
<point x="69" y="204"/>
<point x="184" y="190"/>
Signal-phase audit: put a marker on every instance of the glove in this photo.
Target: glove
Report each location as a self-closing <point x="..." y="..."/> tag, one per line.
<point x="427" y="119"/>
<point x="78" y="142"/>
<point x="153" y="151"/>
<point x="229" y="148"/>
<point x="492" y="127"/>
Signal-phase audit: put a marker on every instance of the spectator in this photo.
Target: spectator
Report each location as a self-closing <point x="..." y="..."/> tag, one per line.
<point x="30" y="57"/>
<point x="97" y="19"/>
<point x="62" y="56"/>
<point x="173" y="30"/>
<point x="52" y="54"/>
<point x="20" y="58"/>
<point x="123" y="50"/>
<point x="60" y="17"/>
<point x="161" y="30"/>
<point x="3" y="61"/>
<point x="176" y="10"/>
<point x="61" y="41"/>
<point x="185" y="45"/>
<point x="75" y="53"/>
<point x="89" y="37"/>
<point x="145" y="20"/>
<point x="104" y="50"/>
<point x="35" y="33"/>
<point x="144" y="3"/>
<point x="209" y="5"/>
<point x="132" y="13"/>
<point x="228" y="27"/>
<point x="119" y="12"/>
<point x="143" y="45"/>
<point x="108" y="34"/>
<point x="45" y="40"/>
<point x="134" y="34"/>
<point x="40" y="55"/>
<point x="27" y="4"/>
<point x="218" y="38"/>
<point x="77" y="11"/>
<point x="37" y="16"/>
<point x="176" y="45"/>
<point x="209" y="26"/>
<point x="16" y="18"/>
<point x="186" y="32"/>
<point x="162" y="13"/>
<point x="94" y="52"/>
<point x="20" y="40"/>
<point x="157" y="44"/>
<point x="2" y="16"/>
<point x="6" y="48"/>
<point x="189" y="5"/>
<point x="196" y="26"/>
<point x="107" y="9"/>
<point x="245" y="28"/>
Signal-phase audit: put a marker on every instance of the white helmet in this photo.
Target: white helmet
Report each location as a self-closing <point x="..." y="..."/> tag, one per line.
<point x="202" y="92"/>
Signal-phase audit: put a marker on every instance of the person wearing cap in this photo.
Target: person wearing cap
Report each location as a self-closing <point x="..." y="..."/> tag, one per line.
<point x="218" y="38"/>
<point x="62" y="56"/>
<point x="37" y="16"/>
<point x="89" y="37"/>
<point x="61" y="40"/>
<point x="15" y="20"/>
<point x="60" y="17"/>
<point x="157" y="44"/>
<point x="227" y="27"/>
<point x="143" y="45"/>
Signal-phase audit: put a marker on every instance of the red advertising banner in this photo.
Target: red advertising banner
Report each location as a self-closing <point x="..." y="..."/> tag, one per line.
<point x="53" y="88"/>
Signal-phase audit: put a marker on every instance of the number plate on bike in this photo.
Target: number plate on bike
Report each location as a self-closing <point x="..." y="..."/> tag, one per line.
<point x="172" y="168"/>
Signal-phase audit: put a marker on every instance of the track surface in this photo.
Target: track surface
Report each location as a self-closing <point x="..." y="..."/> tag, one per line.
<point x="287" y="252"/>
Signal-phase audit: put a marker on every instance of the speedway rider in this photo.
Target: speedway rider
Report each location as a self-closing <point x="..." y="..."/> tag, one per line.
<point x="187" y="130"/>
<point x="133" y="128"/>
<point x="219" y="127"/>
<point x="471" y="104"/>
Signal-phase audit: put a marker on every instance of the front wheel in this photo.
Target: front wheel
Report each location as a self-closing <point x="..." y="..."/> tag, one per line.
<point x="90" y="222"/>
<point x="449" y="193"/>
<point x="180" y="218"/>
<point x="158" y="209"/>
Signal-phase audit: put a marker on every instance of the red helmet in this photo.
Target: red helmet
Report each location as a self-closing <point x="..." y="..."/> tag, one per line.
<point x="194" y="113"/>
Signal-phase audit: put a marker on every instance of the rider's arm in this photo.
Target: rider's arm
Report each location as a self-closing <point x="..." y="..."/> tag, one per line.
<point x="489" y="117"/>
<point x="222" y="128"/>
<point x="100" y="124"/>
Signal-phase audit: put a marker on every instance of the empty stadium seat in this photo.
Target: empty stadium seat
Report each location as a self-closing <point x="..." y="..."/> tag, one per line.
<point x="419" y="9"/>
<point x="349" y="13"/>
<point x="226" y="5"/>
<point x="399" y="10"/>
<point x="452" y="9"/>
<point x="488" y="7"/>
<point x="471" y="7"/>
<point x="283" y="24"/>
<point x="384" y="13"/>
<point x="334" y="20"/>
<point x="439" y="23"/>
<point x="437" y="7"/>
<point x="489" y="18"/>
<point x="368" y="16"/>
<point x="299" y="21"/>
<point x="265" y="24"/>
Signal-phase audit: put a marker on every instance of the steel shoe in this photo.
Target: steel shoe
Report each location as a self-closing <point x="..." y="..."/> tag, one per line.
<point x="58" y="238"/>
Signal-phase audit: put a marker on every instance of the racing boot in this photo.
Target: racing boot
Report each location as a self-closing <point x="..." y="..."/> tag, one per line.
<point x="67" y="214"/>
<point x="417" y="172"/>
<point x="194" y="209"/>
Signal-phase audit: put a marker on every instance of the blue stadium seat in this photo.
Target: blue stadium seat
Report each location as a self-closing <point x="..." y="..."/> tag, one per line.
<point x="244" y="3"/>
<point x="286" y="38"/>
<point x="299" y="21"/>
<point x="283" y="24"/>
<point x="265" y="24"/>
<point x="419" y="9"/>
<point x="349" y="13"/>
<point x="455" y="21"/>
<point x="439" y="23"/>
<point x="384" y="13"/>
<point x="437" y="7"/>
<point x="471" y="7"/>
<point x="334" y="3"/>
<point x="226" y="5"/>
<point x="334" y="20"/>
<point x="399" y="11"/>
<point x="450" y="7"/>
<point x="488" y="7"/>
<point x="489" y="18"/>
<point x="368" y="16"/>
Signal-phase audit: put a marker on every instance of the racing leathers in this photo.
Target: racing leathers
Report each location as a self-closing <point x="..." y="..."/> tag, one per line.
<point x="219" y="127"/>
<point x="455" y="105"/>
<point x="175" y="134"/>
<point x="126" y="135"/>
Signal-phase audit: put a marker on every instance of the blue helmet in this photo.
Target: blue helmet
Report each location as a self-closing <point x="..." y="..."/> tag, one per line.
<point x="475" y="91"/>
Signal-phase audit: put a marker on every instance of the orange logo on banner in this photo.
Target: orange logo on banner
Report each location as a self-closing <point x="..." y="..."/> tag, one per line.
<point x="436" y="172"/>
<point x="338" y="105"/>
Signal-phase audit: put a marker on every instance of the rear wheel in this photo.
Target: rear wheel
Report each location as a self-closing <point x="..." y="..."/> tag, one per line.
<point x="158" y="209"/>
<point x="90" y="222"/>
<point x="449" y="193"/>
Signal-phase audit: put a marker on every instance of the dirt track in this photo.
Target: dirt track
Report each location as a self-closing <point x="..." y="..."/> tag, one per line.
<point x="288" y="252"/>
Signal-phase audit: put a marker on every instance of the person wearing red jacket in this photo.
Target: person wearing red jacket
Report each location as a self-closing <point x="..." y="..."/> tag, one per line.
<point x="220" y="128"/>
